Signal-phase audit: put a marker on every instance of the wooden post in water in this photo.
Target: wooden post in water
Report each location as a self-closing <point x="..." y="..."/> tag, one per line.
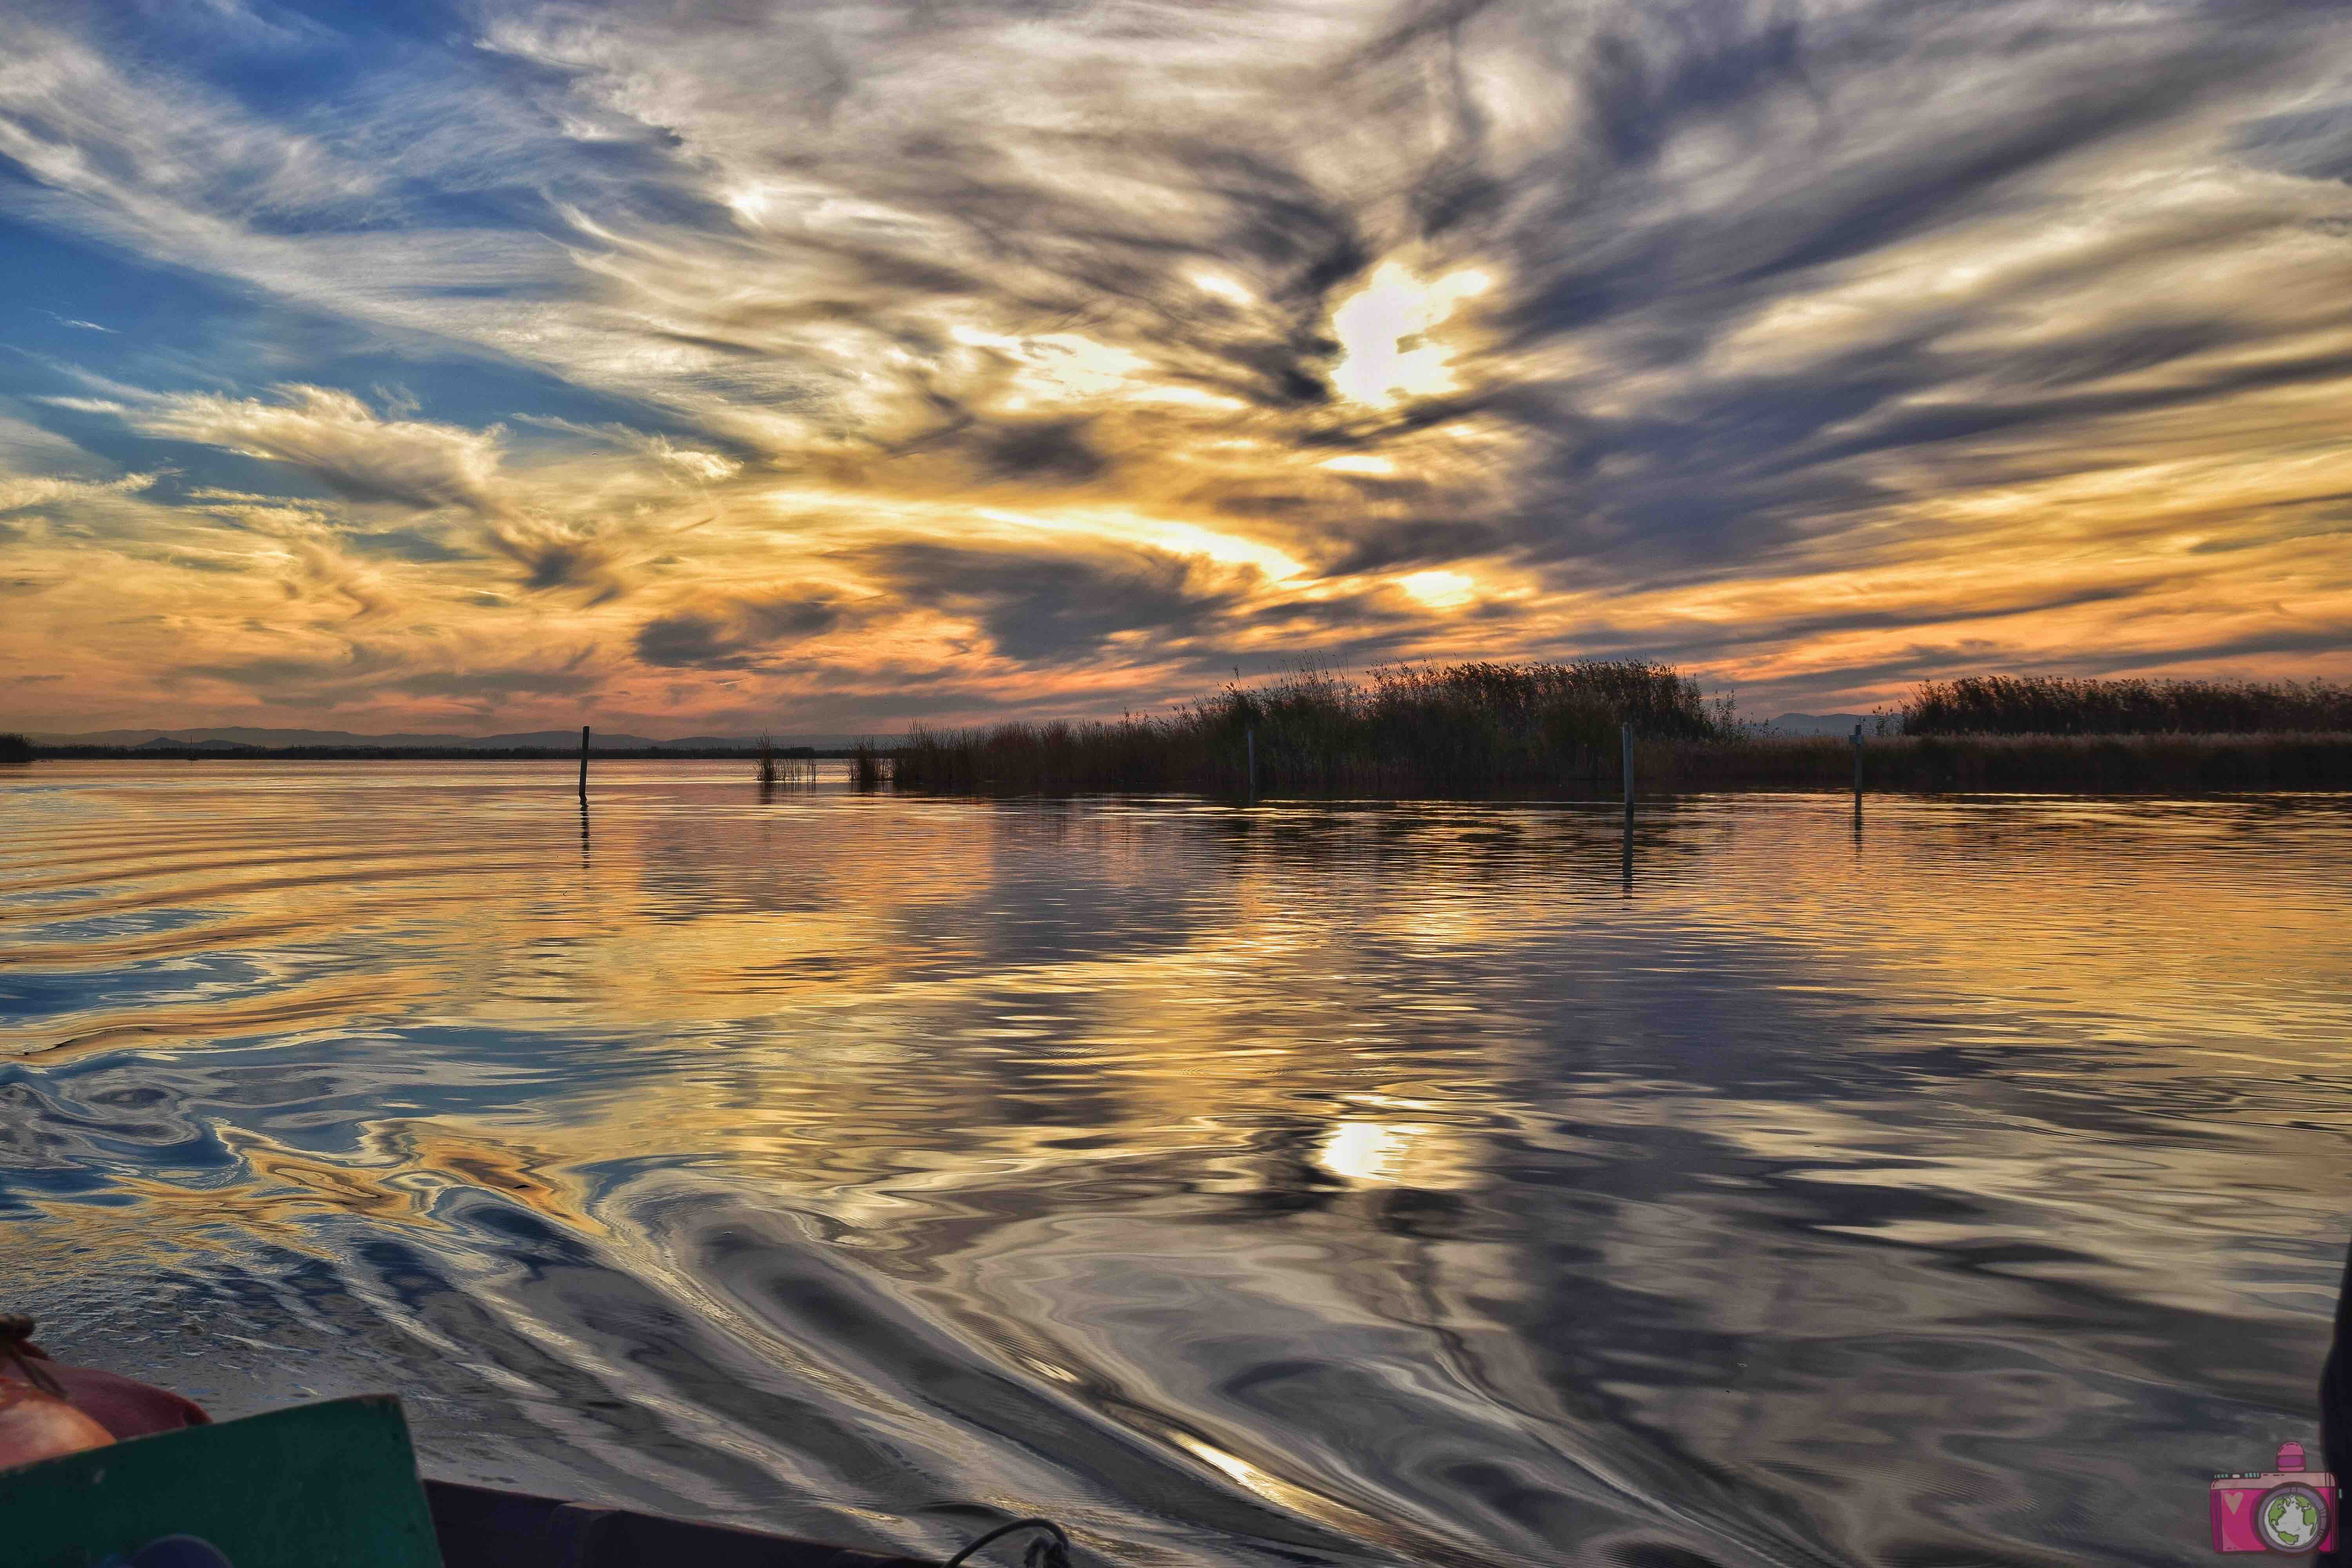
<point x="1250" y="736"/>
<point x="1857" y="767"/>
<point x="584" y="765"/>
<point x="1625" y="744"/>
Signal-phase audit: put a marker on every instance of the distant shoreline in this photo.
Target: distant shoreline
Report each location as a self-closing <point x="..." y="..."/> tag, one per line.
<point x="1480" y="729"/>
<point x="406" y="754"/>
<point x="1921" y="764"/>
<point x="2179" y="764"/>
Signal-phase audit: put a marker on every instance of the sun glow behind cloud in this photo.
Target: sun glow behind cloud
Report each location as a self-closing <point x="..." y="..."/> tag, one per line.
<point x="833" y="367"/>
<point x="1439" y="590"/>
<point x="1386" y="334"/>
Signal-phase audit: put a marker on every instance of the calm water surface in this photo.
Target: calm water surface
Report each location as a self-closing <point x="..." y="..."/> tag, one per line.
<point x="1309" y="1183"/>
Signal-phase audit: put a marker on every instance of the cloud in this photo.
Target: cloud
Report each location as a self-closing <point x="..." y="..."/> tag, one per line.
<point x="407" y="544"/>
<point x="552" y="561"/>
<point x="27" y="492"/>
<point x="335" y="438"/>
<point x="1043" y="607"/>
<point x="2312" y="142"/>
<point x="340" y="441"/>
<point x="1704" y="327"/>
<point x="363" y="672"/>
<point x="738" y="634"/>
<point x="478" y="685"/>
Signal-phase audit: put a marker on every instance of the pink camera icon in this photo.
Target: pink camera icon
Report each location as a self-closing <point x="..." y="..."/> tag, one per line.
<point x="2288" y="1509"/>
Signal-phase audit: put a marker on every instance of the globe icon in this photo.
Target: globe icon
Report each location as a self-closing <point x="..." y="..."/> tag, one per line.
<point x="2291" y="1519"/>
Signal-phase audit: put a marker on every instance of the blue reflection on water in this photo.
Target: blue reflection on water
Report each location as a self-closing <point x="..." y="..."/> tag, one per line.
<point x="1300" y="1183"/>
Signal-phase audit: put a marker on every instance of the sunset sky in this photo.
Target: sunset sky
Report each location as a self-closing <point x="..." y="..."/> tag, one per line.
<point x="713" y="366"/>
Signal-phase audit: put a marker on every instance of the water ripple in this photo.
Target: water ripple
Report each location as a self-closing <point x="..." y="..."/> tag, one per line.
<point x="1306" y="1184"/>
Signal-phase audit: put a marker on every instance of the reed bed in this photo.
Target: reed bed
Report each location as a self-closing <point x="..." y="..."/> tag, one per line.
<point x="2053" y="705"/>
<point x="1065" y="758"/>
<point x="869" y="766"/>
<point x="16" y="748"/>
<point x="791" y="768"/>
<point x="1997" y="765"/>
<point x="1552" y="729"/>
<point x="1460" y="730"/>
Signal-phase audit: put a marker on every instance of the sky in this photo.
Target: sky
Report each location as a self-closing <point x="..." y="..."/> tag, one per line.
<point x="691" y="366"/>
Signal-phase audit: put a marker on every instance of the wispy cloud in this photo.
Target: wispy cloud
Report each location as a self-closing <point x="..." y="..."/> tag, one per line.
<point x="339" y="440"/>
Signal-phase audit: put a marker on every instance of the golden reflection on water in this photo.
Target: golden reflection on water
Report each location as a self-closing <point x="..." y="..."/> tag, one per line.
<point x="1148" y="1105"/>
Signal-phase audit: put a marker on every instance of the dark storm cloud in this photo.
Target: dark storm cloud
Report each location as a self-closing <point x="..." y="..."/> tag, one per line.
<point x="1041" y="608"/>
<point x="556" y="564"/>
<point x="482" y="683"/>
<point x="688" y="642"/>
<point x="1416" y="541"/>
<point x="263" y="673"/>
<point x="2316" y="143"/>
<point x="363" y="670"/>
<point x="1054" y="449"/>
<point x="1049" y="452"/>
<point x="738" y="634"/>
<point x="552" y="559"/>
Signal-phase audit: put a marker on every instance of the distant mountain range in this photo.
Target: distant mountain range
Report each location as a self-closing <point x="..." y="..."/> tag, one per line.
<point x="236" y="737"/>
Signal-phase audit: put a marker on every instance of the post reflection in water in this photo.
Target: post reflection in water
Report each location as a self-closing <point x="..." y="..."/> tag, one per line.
<point x="1309" y="1183"/>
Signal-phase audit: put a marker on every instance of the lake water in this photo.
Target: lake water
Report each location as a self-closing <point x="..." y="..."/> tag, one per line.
<point x="1304" y="1183"/>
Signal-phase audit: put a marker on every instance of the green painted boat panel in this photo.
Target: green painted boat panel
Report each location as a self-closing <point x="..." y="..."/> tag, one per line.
<point x="331" y="1485"/>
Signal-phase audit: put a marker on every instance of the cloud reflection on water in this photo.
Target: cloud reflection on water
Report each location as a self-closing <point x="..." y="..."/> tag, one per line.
<point x="1379" y="1181"/>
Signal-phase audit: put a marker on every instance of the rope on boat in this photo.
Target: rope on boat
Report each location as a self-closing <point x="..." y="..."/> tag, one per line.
<point x="1051" y="1552"/>
<point x="16" y="1344"/>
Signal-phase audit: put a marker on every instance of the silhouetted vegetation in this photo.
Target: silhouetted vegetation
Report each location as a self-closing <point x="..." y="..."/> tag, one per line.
<point x="868" y="767"/>
<point x="2035" y="764"/>
<point x="789" y="766"/>
<point x="15" y="749"/>
<point x="2055" y="705"/>
<point x="1464" y="729"/>
<point x="1552" y="729"/>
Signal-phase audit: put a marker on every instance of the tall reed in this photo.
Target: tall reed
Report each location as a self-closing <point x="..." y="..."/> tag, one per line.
<point x="1464" y="729"/>
<point x="1993" y="765"/>
<point x="2058" y="705"/>
<point x="789" y="767"/>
